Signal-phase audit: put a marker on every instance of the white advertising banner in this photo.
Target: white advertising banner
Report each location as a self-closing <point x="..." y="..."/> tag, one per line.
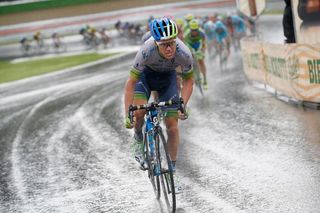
<point x="292" y="69"/>
<point x="253" y="60"/>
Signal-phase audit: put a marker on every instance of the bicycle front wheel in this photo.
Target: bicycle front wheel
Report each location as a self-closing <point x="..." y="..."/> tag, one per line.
<point x="167" y="180"/>
<point x="152" y="167"/>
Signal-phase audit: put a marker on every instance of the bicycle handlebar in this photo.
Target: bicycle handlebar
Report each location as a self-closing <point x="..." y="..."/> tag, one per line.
<point x="154" y="105"/>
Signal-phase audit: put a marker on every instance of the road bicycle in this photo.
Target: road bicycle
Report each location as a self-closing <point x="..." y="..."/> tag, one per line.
<point x="156" y="155"/>
<point x="41" y="46"/>
<point x="90" y="41"/>
<point x="26" y="48"/>
<point x="223" y="55"/>
<point x="196" y="71"/>
<point x="59" y="46"/>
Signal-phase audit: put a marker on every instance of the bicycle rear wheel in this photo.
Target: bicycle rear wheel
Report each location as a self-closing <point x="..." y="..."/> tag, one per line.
<point x="167" y="180"/>
<point x="153" y="177"/>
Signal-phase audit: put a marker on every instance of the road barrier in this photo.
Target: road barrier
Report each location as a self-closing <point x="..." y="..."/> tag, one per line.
<point x="292" y="69"/>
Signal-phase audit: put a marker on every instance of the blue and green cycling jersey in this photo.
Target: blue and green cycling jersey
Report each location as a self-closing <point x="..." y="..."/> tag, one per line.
<point x="238" y="24"/>
<point x="221" y="31"/>
<point x="209" y="29"/>
<point x="194" y="42"/>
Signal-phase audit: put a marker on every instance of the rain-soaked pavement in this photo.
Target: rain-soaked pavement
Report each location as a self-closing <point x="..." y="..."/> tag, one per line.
<point x="63" y="147"/>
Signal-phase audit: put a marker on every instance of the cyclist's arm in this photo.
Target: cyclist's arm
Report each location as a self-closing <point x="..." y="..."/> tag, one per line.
<point x="187" y="77"/>
<point x="129" y="88"/>
<point x="187" y="42"/>
<point x="187" y="87"/>
<point x="135" y="72"/>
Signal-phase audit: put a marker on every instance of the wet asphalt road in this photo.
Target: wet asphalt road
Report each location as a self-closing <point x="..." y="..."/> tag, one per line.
<point x="63" y="147"/>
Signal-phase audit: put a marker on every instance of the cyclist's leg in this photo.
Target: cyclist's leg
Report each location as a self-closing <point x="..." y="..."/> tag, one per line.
<point x="203" y="69"/>
<point x="170" y="92"/>
<point x="173" y="136"/>
<point x="228" y="44"/>
<point x="141" y="96"/>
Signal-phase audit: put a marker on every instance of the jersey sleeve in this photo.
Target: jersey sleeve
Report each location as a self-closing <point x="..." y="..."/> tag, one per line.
<point x="187" y="62"/>
<point x="202" y="34"/>
<point x="138" y="64"/>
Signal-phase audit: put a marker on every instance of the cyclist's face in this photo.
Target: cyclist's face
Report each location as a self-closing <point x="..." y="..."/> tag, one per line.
<point x="229" y="20"/>
<point x="167" y="48"/>
<point x="219" y="30"/>
<point x="194" y="33"/>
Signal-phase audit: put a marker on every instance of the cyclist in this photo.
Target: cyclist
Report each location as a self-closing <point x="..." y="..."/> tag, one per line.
<point x="56" y="40"/>
<point x="118" y="25"/>
<point x="180" y="25"/>
<point x="25" y="45"/>
<point x="228" y="23"/>
<point x="222" y="37"/>
<point x="209" y="29"/>
<point x="92" y="32"/>
<point x="104" y="36"/>
<point x="93" y="39"/>
<point x="238" y="25"/>
<point x="147" y="34"/>
<point x="39" y="40"/>
<point x="188" y="18"/>
<point x="154" y="70"/>
<point x="85" y="35"/>
<point x="195" y="40"/>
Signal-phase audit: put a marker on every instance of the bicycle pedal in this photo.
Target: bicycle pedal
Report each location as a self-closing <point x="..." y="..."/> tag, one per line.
<point x="143" y="166"/>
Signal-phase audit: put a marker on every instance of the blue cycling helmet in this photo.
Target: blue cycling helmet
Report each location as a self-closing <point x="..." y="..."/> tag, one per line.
<point x="163" y="29"/>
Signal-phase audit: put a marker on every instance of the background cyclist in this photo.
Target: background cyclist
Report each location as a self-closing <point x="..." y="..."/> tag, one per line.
<point x="38" y="39"/>
<point x="154" y="70"/>
<point x="187" y="19"/>
<point x="238" y="28"/>
<point x="56" y="40"/>
<point x="222" y="36"/>
<point x="209" y="29"/>
<point x="195" y="40"/>
<point x="180" y="24"/>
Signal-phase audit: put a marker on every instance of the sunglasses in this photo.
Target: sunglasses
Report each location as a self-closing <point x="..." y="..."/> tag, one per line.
<point x="167" y="44"/>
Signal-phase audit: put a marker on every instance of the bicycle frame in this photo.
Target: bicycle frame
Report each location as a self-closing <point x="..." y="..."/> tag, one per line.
<point x="197" y="74"/>
<point x="223" y="55"/>
<point x="152" y="127"/>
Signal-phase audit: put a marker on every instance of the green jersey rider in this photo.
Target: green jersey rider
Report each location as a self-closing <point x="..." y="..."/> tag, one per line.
<point x="195" y="40"/>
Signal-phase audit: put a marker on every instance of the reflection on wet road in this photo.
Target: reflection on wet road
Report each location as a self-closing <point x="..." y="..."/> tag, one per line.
<point x="63" y="148"/>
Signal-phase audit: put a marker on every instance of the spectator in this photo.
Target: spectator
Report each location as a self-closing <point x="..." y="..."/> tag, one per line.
<point x="287" y="23"/>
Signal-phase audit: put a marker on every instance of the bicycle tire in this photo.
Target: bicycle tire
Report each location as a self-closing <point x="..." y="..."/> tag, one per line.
<point x="220" y="61"/>
<point x="167" y="180"/>
<point x="198" y="77"/>
<point x="24" y="50"/>
<point x="223" y="57"/>
<point x="154" y="179"/>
